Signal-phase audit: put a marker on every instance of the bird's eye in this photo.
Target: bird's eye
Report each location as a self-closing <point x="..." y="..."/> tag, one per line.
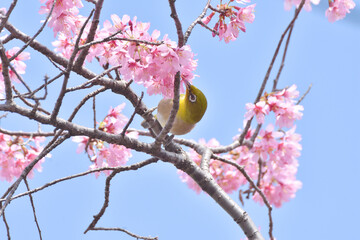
<point x="192" y="98"/>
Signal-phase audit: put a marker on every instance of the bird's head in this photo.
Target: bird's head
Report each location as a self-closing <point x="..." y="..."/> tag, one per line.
<point x="195" y="104"/>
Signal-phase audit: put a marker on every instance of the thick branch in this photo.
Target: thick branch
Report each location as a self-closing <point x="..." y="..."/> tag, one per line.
<point x="179" y="30"/>
<point x="5" y="72"/>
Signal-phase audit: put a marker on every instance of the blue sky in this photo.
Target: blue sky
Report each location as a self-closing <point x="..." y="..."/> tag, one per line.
<point x="153" y="201"/>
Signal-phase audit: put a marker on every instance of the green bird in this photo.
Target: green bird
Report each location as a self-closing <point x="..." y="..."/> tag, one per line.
<point x="192" y="107"/>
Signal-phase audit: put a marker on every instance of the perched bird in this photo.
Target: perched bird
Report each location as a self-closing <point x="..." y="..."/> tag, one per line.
<point x="192" y="107"/>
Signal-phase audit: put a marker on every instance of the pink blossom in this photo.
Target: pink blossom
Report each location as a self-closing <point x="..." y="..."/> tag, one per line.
<point x="18" y="63"/>
<point x="288" y="93"/>
<point x="225" y="175"/>
<point x="16" y="153"/>
<point x="64" y="16"/>
<point x="207" y="19"/>
<point x="260" y="109"/>
<point x="307" y="6"/>
<point x="275" y="150"/>
<point x="153" y="66"/>
<point x="289" y="114"/>
<point x="338" y="9"/>
<point x="229" y="31"/>
<point x="102" y="154"/>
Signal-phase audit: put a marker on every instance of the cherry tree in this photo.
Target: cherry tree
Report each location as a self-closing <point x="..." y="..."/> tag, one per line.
<point x="261" y="163"/>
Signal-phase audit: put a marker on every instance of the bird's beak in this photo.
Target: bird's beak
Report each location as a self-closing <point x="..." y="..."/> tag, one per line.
<point x="187" y="85"/>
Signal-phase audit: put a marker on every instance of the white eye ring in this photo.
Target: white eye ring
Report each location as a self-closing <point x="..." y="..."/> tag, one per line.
<point x="192" y="98"/>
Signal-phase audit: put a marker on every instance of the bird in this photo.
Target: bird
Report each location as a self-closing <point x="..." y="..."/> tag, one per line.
<point x="192" y="107"/>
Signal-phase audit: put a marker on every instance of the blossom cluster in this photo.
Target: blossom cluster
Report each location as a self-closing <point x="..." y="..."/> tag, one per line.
<point x="16" y="153"/>
<point x="337" y="8"/>
<point x="142" y="57"/>
<point x="64" y="16"/>
<point x="231" y="19"/>
<point x="102" y="154"/>
<point x="18" y="64"/>
<point x="273" y="154"/>
<point x="282" y="103"/>
<point x="225" y="175"/>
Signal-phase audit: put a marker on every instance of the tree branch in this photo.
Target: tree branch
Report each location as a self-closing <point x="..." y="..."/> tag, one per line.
<point x="118" y="169"/>
<point x="178" y="26"/>
<point x="5" y="72"/>
<point x="90" y="37"/>
<point x="197" y="21"/>
<point x="33" y="208"/>
<point x="48" y="148"/>
<point x="7" y="15"/>
<point x="69" y="66"/>
<point x="248" y="123"/>
<point x="125" y="231"/>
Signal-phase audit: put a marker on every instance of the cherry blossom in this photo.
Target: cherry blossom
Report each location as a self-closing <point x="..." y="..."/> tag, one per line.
<point x="153" y="65"/>
<point x="307" y="6"/>
<point x="338" y="9"/>
<point x="273" y="154"/>
<point x="275" y="150"/>
<point x="102" y="154"/>
<point x="237" y="16"/>
<point x="18" y="64"/>
<point x="16" y="153"/>
<point x="260" y="109"/>
<point x="64" y="16"/>
<point x="224" y="174"/>
<point x="282" y="103"/>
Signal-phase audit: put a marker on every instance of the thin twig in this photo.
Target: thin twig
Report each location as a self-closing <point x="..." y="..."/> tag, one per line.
<point x="107" y="190"/>
<point x="197" y="20"/>
<point x="135" y="166"/>
<point x="89" y="83"/>
<point x="94" y="111"/>
<point x="82" y="102"/>
<point x="20" y="78"/>
<point x="106" y="202"/>
<point x="90" y="37"/>
<point x="9" y="11"/>
<point x="56" y="141"/>
<point x="27" y="134"/>
<point x="34" y="107"/>
<point x="283" y="59"/>
<point x="36" y="34"/>
<point x="91" y="1"/>
<point x="33" y="208"/>
<point x="47" y="82"/>
<point x="217" y="10"/>
<point x="6" y="224"/>
<point x="258" y="183"/>
<point x="261" y="90"/>
<point x="132" y="115"/>
<point x="69" y="66"/>
<point x="46" y="79"/>
<point x="304" y="95"/>
<point x="113" y="38"/>
<point x="208" y="28"/>
<point x="125" y="231"/>
<point x="256" y="132"/>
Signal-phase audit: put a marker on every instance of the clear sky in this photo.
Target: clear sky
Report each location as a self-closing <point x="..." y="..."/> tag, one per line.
<point x="153" y="201"/>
